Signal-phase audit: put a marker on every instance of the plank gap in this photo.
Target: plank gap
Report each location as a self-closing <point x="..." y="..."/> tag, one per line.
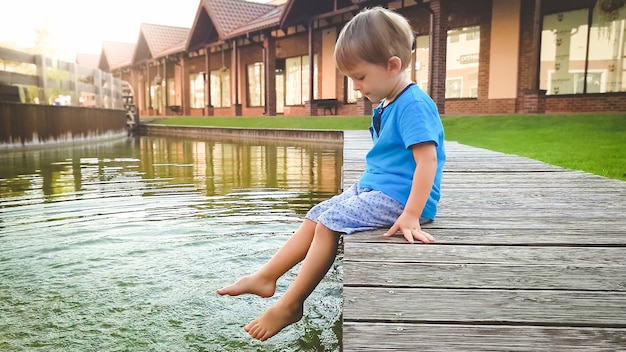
<point x="489" y="322"/>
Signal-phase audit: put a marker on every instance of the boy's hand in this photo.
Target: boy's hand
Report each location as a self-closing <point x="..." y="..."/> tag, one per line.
<point x="410" y="228"/>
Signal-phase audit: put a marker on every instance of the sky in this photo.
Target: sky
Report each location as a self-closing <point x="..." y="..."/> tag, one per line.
<point x="80" y="26"/>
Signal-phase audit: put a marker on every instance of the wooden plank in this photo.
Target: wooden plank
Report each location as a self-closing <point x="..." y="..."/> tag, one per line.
<point x="528" y="256"/>
<point x="521" y="179"/>
<point x="466" y="306"/>
<point x="550" y="225"/>
<point x="17" y="56"/>
<point x="491" y="180"/>
<point x="523" y="222"/>
<point x="494" y="166"/>
<point x="481" y="254"/>
<point x="598" y="237"/>
<point x="564" y="276"/>
<point x="497" y="166"/>
<point x="597" y="217"/>
<point x="18" y="78"/>
<point x="362" y="337"/>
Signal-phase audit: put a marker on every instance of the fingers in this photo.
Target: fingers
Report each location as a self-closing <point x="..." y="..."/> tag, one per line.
<point x="414" y="234"/>
<point x="392" y="231"/>
<point x="410" y="234"/>
<point x="425" y="237"/>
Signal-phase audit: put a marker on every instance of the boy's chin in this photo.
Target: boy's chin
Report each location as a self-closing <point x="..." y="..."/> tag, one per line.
<point x="373" y="99"/>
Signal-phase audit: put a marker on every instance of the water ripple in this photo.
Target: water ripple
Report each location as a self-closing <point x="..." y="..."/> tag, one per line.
<point x="123" y="257"/>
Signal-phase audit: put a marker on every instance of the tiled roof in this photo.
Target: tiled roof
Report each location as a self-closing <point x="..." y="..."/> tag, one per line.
<point x="229" y="15"/>
<point x="158" y="40"/>
<point x="300" y="11"/>
<point x="270" y="19"/>
<point x="88" y="60"/>
<point x="218" y="20"/>
<point x="115" y="55"/>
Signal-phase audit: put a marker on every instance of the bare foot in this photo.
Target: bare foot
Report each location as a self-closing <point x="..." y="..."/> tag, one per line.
<point x="254" y="284"/>
<point x="273" y="321"/>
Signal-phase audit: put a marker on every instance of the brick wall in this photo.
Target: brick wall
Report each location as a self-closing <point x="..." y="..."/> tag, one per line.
<point x="614" y="102"/>
<point x="479" y="106"/>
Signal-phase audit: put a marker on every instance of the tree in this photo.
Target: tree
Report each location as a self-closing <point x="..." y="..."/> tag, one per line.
<point x="46" y="42"/>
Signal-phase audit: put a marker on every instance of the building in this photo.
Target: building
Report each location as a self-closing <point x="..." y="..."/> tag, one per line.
<point x="242" y="58"/>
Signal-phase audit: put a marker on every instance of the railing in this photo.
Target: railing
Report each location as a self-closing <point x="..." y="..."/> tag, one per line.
<point x="46" y="81"/>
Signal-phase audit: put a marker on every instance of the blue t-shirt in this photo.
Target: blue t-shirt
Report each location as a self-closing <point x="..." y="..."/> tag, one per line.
<point x="410" y="119"/>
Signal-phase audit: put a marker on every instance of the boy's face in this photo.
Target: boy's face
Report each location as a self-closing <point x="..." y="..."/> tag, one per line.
<point x="373" y="81"/>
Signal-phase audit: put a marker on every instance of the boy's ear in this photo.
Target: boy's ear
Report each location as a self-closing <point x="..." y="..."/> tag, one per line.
<point x="394" y="64"/>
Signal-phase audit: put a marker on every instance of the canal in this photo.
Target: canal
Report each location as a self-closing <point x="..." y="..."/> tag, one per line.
<point x="120" y="245"/>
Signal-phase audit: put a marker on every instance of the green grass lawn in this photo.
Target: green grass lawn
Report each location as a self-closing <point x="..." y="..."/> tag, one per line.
<point x="595" y="143"/>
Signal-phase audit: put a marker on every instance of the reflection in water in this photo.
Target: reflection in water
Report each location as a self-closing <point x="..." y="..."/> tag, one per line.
<point x="215" y="167"/>
<point x="120" y="245"/>
<point x="221" y="168"/>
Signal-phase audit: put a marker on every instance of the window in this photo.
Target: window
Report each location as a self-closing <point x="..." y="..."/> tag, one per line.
<point x="422" y="61"/>
<point x="155" y="93"/>
<point x="351" y="94"/>
<point x="256" y="85"/>
<point x="463" y="56"/>
<point x="196" y="90"/>
<point x="297" y="79"/>
<point x="220" y="88"/>
<point x="171" y="92"/>
<point x="473" y="92"/>
<point x="563" y="51"/>
<point x="147" y="101"/>
<point x="280" y="92"/>
<point x="578" y="57"/>
<point x="472" y="35"/>
<point x="454" y="87"/>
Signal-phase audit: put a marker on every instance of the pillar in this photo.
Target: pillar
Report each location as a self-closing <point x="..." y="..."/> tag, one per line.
<point x="269" y="46"/>
<point x="438" y="52"/>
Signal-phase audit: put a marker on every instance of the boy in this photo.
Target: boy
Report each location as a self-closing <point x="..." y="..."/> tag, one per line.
<point x="399" y="188"/>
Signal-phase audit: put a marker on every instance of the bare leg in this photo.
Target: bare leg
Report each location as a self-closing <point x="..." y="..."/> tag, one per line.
<point x="263" y="282"/>
<point x="289" y="307"/>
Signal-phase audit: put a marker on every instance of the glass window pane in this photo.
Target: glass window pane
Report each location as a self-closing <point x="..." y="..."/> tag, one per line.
<point x="422" y="61"/>
<point x="607" y="62"/>
<point x="351" y="94"/>
<point x="563" y="52"/>
<point x="256" y="87"/>
<point x="216" y="89"/>
<point x="280" y="92"/>
<point x="293" y="86"/>
<point x="220" y="88"/>
<point x="171" y="92"/>
<point x="305" y="78"/>
<point x="463" y="55"/>
<point x="147" y="102"/>
<point x="196" y="90"/>
<point x="315" y="77"/>
<point x="192" y="78"/>
<point x="225" y="79"/>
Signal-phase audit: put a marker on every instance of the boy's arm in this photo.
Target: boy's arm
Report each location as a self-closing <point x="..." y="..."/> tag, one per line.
<point x="425" y="155"/>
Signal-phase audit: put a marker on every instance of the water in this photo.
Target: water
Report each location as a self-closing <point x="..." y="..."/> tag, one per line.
<point x="119" y="246"/>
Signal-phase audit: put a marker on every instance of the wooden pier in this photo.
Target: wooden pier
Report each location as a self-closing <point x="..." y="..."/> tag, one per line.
<point x="529" y="257"/>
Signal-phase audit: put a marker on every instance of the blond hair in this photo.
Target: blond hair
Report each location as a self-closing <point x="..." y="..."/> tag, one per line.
<point x="374" y="35"/>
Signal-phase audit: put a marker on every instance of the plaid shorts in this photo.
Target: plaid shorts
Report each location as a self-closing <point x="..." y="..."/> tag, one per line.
<point x="357" y="209"/>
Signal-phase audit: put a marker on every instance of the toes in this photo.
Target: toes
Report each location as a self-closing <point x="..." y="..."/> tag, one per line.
<point x="257" y="333"/>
